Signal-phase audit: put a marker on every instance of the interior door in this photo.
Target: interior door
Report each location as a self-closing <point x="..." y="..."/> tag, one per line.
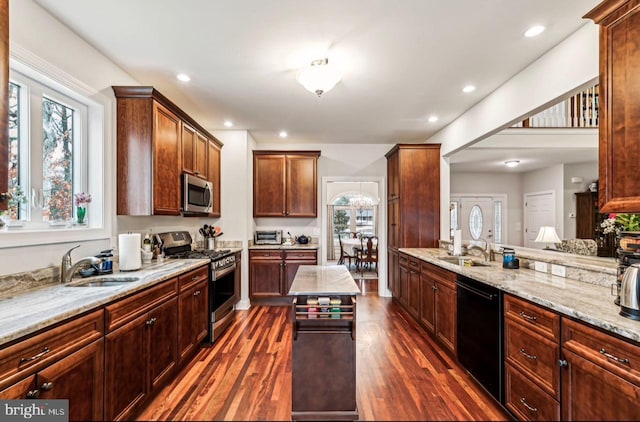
<point x="476" y="218"/>
<point x="539" y="210"/>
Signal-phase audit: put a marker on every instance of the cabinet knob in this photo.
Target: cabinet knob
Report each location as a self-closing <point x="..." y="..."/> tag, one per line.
<point x="196" y="293"/>
<point x="563" y="363"/>
<point x="151" y="321"/>
<point x="33" y="394"/>
<point x="46" y="386"/>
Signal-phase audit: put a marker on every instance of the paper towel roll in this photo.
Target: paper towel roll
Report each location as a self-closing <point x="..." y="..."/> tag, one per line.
<point x="129" y="252"/>
<point x="457" y="242"/>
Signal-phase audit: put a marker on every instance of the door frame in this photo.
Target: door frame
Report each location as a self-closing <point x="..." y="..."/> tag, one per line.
<point x="501" y="196"/>
<point x="382" y="224"/>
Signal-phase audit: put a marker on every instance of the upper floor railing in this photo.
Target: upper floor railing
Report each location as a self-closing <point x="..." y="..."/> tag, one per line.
<point x="580" y="110"/>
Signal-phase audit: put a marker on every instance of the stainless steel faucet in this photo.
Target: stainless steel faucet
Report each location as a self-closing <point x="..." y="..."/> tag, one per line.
<point x="487" y="253"/>
<point x="67" y="270"/>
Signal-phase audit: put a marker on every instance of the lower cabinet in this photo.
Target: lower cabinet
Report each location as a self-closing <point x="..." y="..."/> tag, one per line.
<point x="410" y="284"/>
<point x="141" y="348"/>
<point x="393" y="271"/>
<point x="437" y="304"/>
<point x="193" y="311"/>
<point x="601" y="375"/>
<point x="271" y="271"/>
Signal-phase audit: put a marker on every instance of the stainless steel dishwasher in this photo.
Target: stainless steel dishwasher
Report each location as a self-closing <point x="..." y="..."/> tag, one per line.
<point x="480" y="348"/>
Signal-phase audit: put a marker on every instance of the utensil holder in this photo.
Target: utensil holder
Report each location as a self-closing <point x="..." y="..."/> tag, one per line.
<point x="211" y="243"/>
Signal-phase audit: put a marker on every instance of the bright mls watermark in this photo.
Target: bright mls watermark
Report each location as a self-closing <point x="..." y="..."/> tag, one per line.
<point x="34" y="410"/>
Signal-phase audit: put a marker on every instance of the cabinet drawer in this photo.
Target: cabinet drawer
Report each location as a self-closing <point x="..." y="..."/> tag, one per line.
<point x="131" y="307"/>
<point x="536" y="356"/>
<point x="445" y="277"/>
<point x="618" y="356"/>
<point x="191" y="278"/>
<point x="403" y="260"/>
<point x="306" y="255"/>
<point x="274" y="254"/>
<point x="527" y="400"/>
<point x="28" y="356"/>
<point x="538" y="319"/>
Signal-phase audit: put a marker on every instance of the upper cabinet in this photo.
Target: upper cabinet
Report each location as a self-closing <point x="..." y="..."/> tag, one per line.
<point x="4" y="106"/>
<point x="619" y="148"/>
<point x="285" y="183"/>
<point x="157" y="142"/>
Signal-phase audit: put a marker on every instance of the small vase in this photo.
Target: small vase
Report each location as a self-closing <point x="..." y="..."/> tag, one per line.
<point x="81" y="215"/>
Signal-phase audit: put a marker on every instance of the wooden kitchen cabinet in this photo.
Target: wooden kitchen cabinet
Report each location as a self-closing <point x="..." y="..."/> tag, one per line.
<point x="151" y="153"/>
<point x="285" y="183"/>
<point x="531" y="353"/>
<point x="213" y="171"/>
<point x="438" y="304"/>
<point x="619" y="131"/>
<point x="413" y="202"/>
<point x="64" y="362"/>
<point x="394" y="271"/>
<point x="410" y="280"/>
<point x="271" y="271"/>
<point x="601" y="375"/>
<point x="141" y="347"/>
<point x="193" y="308"/>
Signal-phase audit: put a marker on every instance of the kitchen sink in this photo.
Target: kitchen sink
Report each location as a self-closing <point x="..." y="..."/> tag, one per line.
<point x="103" y="282"/>
<point x="464" y="261"/>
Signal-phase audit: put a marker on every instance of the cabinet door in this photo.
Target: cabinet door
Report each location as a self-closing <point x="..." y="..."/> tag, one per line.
<point x="301" y="187"/>
<point x="192" y="318"/>
<point x="25" y="389"/>
<point x="126" y="375"/>
<point x="162" y="336"/>
<point x="200" y="161"/>
<point x="292" y="262"/>
<point x="619" y="190"/>
<point x="269" y="186"/>
<point x="78" y="378"/>
<point x="188" y="148"/>
<point x="413" y="299"/>
<point x="265" y="278"/>
<point x="393" y="272"/>
<point x="446" y="321"/>
<point x="393" y="179"/>
<point x="427" y="303"/>
<point x="393" y="207"/>
<point x="589" y="392"/>
<point x="213" y="175"/>
<point x="586" y="215"/>
<point x="167" y="161"/>
<point x="404" y="286"/>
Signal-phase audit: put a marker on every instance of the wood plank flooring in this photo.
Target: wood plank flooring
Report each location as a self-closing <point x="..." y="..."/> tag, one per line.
<point x="402" y="374"/>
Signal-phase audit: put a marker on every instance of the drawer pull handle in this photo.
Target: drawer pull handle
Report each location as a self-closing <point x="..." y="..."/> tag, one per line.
<point x="527" y="355"/>
<point x="151" y="321"/>
<point x="46" y="386"/>
<point x="529" y="408"/>
<point x="529" y="317"/>
<point x="33" y="394"/>
<point x="610" y="356"/>
<point x="194" y="278"/>
<point x="38" y="356"/>
<point x="196" y="293"/>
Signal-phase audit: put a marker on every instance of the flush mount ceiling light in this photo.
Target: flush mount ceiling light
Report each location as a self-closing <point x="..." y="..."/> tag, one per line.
<point x="228" y="123"/>
<point x="319" y="77"/>
<point x="534" y="31"/>
<point x="511" y="163"/>
<point x="468" y="88"/>
<point x="183" y="77"/>
<point x="433" y="119"/>
<point x="283" y="134"/>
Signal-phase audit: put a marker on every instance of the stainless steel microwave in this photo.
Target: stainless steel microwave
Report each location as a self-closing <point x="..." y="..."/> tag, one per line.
<point x="268" y="237"/>
<point x="197" y="195"/>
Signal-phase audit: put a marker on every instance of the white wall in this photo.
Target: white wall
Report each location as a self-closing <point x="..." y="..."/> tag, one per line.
<point x="589" y="173"/>
<point x="496" y="184"/>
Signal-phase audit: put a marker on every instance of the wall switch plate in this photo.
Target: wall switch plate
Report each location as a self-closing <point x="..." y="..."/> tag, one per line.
<point x="572" y="215"/>
<point x="558" y="270"/>
<point x="541" y="266"/>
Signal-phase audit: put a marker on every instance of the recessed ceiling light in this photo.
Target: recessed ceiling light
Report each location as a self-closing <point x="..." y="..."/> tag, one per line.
<point x="228" y="123"/>
<point x="469" y="88"/>
<point x="511" y="163"/>
<point x="283" y="134"/>
<point x="433" y="119"/>
<point x="183" y="77"/>
<point x="534" y="31"/>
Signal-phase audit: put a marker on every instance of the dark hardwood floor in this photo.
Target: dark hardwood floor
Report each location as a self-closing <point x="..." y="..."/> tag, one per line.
<point x="402" y="374"/>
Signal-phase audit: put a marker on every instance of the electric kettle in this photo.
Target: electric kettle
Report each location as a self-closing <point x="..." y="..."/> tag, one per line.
<point x="630" y="293"/>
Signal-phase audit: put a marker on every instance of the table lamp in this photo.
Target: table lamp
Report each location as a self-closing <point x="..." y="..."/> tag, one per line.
<point x="547" y="234"/>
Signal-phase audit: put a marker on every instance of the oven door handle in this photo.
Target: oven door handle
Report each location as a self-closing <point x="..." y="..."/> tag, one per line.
<point x="221" y="273"/>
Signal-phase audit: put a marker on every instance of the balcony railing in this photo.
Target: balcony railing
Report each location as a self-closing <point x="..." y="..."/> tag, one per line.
<point x="580" y="110"/>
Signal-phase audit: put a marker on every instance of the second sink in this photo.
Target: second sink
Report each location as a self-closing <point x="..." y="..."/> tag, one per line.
<point x="104" y="282"/>
<point x="464" y="261"/>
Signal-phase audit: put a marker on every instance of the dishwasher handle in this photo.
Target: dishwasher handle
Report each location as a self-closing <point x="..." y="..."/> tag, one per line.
<point x="484" y="295"/>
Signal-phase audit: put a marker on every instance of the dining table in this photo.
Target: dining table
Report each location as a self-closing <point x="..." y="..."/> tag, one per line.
<point x="350" y="245"/>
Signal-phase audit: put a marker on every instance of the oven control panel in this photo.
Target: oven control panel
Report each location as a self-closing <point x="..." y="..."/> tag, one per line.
<point x="227" y="261"/>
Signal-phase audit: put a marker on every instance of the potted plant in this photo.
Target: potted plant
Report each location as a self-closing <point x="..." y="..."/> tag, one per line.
<point x="82" y="200"/>
<point x="626" y="228"/>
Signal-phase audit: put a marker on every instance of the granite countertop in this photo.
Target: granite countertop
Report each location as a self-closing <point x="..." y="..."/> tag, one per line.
<point x="294" y="246"/>
<point x="25" y="313"/>
<point x="328" y="280"/>
<point x="583" y="301"/>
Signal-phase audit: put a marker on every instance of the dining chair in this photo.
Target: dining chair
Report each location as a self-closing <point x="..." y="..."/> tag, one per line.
<point x="367" y="255"/>
<point x="354" y="235"/>
<point x="344" y="254"/>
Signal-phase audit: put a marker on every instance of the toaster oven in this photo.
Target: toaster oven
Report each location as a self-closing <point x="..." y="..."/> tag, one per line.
<point x="268" y="237"/>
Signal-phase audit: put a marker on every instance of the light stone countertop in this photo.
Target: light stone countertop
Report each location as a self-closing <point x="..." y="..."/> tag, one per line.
<point x="294" y="246"/>
<point x="326" y="280"/>
<point x="25" y="313"/>
<point x="583" y="301"/>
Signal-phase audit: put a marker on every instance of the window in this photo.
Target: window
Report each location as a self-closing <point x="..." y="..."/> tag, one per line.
<point x="348" y="218"/>
<point x="475" y="222"/>
<point x="46" y="136"/>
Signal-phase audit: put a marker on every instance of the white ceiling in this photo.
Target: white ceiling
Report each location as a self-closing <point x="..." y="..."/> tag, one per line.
<point x="403" y="60"/>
